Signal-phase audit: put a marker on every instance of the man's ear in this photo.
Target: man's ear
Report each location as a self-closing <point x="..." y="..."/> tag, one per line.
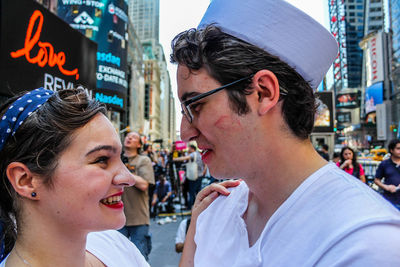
<point x="267" y="87"/>
<point x="22" y="180"/>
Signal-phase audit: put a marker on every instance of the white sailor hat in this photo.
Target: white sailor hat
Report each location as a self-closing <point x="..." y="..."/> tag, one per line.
<point x="280" y="29"/>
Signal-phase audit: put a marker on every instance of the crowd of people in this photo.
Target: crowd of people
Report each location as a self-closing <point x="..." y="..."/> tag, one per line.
<point x="73" y="194"/>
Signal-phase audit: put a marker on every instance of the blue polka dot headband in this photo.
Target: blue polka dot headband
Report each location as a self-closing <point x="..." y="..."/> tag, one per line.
<point x="21" y="109"/>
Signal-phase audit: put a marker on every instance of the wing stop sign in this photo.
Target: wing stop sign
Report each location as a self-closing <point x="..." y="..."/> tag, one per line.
<point x="38" y="49"/>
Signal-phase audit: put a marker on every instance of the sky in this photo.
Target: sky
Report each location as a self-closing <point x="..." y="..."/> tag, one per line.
<point x="179" y="15"/>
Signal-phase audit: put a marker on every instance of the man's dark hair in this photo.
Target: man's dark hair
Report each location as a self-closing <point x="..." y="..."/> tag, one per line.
<point x="227" y="58"/>
<point x="193" y="147"/>
<point x="325" y="147"/>
<point x="392" y="144"/>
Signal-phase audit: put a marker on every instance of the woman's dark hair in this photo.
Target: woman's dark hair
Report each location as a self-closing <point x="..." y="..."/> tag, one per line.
<point x="354" y="160"/>
<point x="38" y="143"/>
<point x="227" y="58"/>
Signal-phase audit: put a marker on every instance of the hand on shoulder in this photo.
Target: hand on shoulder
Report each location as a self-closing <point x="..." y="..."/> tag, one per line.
<point x="206" y="196"/>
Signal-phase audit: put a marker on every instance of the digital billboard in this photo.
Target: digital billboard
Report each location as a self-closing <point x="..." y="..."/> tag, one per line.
<point x="343" y="117"/>
<point x="324" y="118"/>
<point x="373" y="97"/>
<point x="106" y="23"/>
<point x="34" y="52"/>
<point x="347" y="100"/>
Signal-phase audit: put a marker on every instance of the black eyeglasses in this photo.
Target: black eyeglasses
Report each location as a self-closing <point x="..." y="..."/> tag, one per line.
<point x="185" y="105"/>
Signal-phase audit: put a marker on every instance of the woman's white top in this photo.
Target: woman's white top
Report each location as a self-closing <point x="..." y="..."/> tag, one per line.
<point x="113" y="249"/>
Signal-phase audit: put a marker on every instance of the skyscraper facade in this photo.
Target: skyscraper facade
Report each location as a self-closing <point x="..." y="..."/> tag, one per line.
<point x="145" y="17"/>
<point x="347" y="26"/>
<point x="394" y="7"/>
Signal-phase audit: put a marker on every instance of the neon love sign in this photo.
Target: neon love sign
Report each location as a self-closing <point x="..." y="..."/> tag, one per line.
<point x="46" y="54"/>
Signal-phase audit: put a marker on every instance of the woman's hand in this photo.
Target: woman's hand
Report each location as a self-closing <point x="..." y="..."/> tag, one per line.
<point x="348" y="163"/>
<point x="209" y="193"/>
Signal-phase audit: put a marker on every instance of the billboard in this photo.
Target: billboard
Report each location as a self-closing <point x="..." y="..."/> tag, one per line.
<point x="347" y="100"/>
<point x="373" y="97"/>
<point x="374" y="59"/>
<point x="324" y="118"/>
<point x="106" y="23"/>
<point x="34" y="52"/>
<point x="343" y="117"/>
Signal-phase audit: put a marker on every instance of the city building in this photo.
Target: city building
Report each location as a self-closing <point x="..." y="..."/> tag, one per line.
<point x="394" y="26"/>
<point x="358" y="27"/>
<point x="347" y="26"/>
<point x="145" y="16"/>
<point x="136" y="94"/>
<point x="159" y="127"/>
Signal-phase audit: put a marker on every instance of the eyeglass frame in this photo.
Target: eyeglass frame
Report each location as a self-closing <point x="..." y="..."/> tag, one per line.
<point x="185" y="104"/>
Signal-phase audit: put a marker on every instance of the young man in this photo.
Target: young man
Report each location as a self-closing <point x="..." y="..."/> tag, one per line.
<point x="136" y="197"/>
<point x="245" y="80"/>
<point x="390" y="170"/>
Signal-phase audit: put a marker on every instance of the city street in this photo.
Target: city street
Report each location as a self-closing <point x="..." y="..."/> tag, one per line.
<point x="163" y="241"/>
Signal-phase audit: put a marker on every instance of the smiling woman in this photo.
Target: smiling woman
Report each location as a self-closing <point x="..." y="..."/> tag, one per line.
<point x="62" y="178"/>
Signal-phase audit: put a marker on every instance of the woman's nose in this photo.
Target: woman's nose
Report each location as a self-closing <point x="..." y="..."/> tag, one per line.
<point x="124" y="177"/>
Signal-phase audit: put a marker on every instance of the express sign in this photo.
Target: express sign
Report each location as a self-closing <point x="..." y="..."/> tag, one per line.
<point x="38" y="49"/>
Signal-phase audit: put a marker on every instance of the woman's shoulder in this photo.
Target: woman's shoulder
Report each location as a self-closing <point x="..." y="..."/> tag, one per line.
<point x="114" y="249"/>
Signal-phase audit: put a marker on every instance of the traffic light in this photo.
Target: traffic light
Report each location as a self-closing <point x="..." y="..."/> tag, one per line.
<point x="393" y="128"/>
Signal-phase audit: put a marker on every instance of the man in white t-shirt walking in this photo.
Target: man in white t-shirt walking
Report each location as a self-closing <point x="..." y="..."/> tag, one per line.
<point x="245" y="79"/>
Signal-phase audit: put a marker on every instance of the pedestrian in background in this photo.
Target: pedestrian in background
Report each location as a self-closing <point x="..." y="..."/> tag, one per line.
<point x="181" y="235"/>
<point x="136" y="197"/>
<point x="335" y="157"/>
<point x="61" y="181"/>
<point x="348" y="162"/>
<point x="390" y="170"/>
<point x="245" y="81"/>
<point x="162" y="197"/>
<point x="324" y="151"/>
<point x="194" y="183"/>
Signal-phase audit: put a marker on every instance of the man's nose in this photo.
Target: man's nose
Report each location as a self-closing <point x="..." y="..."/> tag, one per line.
<point x="188" y="130"/>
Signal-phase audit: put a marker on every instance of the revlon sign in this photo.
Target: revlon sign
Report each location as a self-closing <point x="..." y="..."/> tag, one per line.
<point x="38" y="49"/>
<point x="374" y="59"/>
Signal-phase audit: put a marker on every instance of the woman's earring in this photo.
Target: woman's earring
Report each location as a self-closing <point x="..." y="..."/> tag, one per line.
<point x="33" y="194"/>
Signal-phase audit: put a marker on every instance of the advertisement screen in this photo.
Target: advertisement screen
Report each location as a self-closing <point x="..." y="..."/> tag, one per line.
<point x="346" y="100"/>
<point x="34" y="51"/>
<point x="373" y="96"/>
<point x="106" y="23"/>
<point x="343" y="117"/>
<point x="324" y="117"/>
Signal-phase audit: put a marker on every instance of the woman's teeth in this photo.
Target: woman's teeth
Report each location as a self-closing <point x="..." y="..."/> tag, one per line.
<point x="111" y="200"/>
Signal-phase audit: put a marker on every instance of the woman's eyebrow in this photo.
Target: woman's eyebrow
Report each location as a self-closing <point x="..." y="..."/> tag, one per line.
<point x="102" y="147"/>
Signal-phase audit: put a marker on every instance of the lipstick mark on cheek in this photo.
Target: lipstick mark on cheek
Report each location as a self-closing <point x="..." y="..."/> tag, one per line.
<point x="226" y="122"/>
